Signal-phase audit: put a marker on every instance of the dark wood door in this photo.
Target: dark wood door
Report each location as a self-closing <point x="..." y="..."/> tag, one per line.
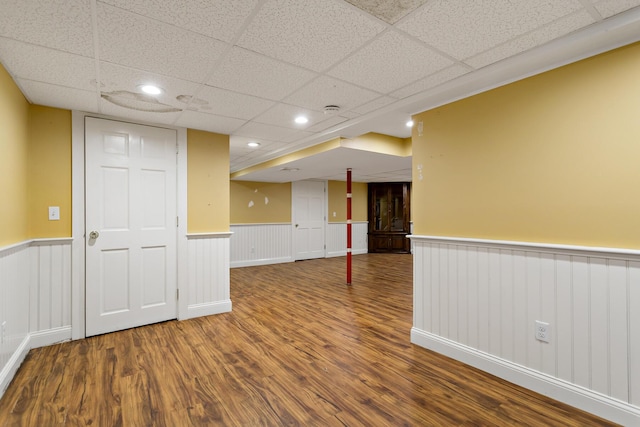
<point x="389" y="213"/>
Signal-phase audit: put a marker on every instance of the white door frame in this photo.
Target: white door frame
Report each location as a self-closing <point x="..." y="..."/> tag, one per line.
<point x="78" y="329"/>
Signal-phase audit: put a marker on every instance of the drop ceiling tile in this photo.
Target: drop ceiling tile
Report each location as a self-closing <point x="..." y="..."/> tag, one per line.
<point x="176" y="92"/>
<point x="432" y="81"/>
<point x="329" y="122"/>
<point x="389" y="11"/>
<point x="59" y="24"/>
<point x="134" y="41"/>
<point x="209" y="122"/>
<point x="264" y="131"/>
<point x="219" y="19"/>
<point x="59" y="96"/>
<point x="463" y="29"/>
<point x="310" y="33"/>
<point x="233" y="104"/>
<point x="609" y="8"/>
<point x="133" y="115"/>
<point x="31" y="62"/>
<point x="376" y="104"/>
<point x="284" y="114"/>
<point x="530" y="40"/>
<point x="390" y="62"/>
<point x="296" y="137"/>
<point x="329" y="91"/>
<point x="251" y="73"/>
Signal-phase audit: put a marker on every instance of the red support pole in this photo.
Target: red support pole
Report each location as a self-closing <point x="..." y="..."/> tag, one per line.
<point x="348" y="226"/>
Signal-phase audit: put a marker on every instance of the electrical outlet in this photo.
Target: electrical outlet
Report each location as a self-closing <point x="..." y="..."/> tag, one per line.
<point x="542" y="331"/>
<point x="3" y="331"/>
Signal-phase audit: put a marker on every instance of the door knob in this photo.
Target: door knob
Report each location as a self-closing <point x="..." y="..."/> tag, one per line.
<point x="94" y="235"/>
<point x="296" y="225"/>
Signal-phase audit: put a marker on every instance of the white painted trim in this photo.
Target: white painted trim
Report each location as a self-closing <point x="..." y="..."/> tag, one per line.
<point x="344" y="253"/>
<point x="50" y="336"/>
<point x="579" y="397"/>
<point x="36" y="242"/>
<point x="555" y="248"/>
<point x="212" y="235"/>
<point x="208" y="309"/>
<point x="16" y="359"/>
<point x="181" y="240"/>
<point x="251" y="224"/>
<point x="345" y="222"/>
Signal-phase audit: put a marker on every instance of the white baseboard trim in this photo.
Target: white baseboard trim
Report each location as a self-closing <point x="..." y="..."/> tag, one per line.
<point x="50" y="336"/>
<point x="344" y="253"/>
<point x="207" y="309"/>
<point x="581" y="398"/>
<point x="265" y="261"/>
<point x="16" y="359"/>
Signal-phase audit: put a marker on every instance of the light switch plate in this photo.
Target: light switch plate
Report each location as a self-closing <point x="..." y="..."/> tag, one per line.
<point x="54" y="213"/>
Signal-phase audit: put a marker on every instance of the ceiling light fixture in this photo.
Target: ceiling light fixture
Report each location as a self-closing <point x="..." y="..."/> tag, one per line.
<point x="253" y="144"/>
<point x="410" y="123"/>
<point x="151" y="89"/>
<point x="301" y="120"/>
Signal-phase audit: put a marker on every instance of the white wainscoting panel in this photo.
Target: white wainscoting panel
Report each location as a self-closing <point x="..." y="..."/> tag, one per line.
<point x="478" y="301"/>
<point x="208" y="287"/>
<point x="336" y="236"/>
<point x="35" y="300"/>
<point x="259" y="244"/>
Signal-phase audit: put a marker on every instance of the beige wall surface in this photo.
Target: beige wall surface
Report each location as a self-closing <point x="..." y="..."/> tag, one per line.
<point x="14" y="134"/>
<point x="207" y="182"/>
<point x="337" y="201"/>
<point x="552" y="158"/>
<point x="260" y="202"/>
<point x="49" y="170"/>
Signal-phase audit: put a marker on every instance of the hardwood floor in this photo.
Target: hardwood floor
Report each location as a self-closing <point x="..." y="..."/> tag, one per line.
<point x="299" y="348"/>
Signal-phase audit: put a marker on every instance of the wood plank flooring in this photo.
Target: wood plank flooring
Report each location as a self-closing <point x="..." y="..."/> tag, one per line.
<point x="299" y="348"/>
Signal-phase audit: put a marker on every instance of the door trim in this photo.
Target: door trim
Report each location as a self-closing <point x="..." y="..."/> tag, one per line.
<point x="78" y="327"/>
<point x="293" y="217"/>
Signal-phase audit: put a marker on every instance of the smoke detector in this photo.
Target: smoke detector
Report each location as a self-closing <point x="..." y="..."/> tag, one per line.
<point x="331" y="109"/>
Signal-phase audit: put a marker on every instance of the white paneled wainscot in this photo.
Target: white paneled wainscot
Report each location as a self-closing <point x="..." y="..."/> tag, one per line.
<point x="208" y="281"/>
<point x="337" y="238"/>
<point x="260" y="244"/>
<point x="35" y="289"/>
<point x="477" y="301"/>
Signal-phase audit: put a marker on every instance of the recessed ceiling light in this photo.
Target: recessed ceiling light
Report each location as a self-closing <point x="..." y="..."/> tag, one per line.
<point x="151" y="89"/>
<point x="410" y="123"/>
<point x="301" y="120"/>
<point x="253" y="144"/>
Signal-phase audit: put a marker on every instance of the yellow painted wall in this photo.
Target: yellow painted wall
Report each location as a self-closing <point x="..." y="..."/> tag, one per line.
<point x="49" y="171"/>
<point x="207" y="182"/>
<point x="260" y="202"/>
<point x="14" y="133"/>
<point x="337" y="201"/>
<point x="552" y="158"/>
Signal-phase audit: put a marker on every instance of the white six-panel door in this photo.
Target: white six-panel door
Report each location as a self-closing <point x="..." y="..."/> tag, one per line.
<point x="308" y="218"/>
<point x="130" y="225"/>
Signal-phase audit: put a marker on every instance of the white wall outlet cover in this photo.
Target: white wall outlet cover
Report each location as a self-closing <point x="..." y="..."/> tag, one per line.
<point x="542" y="331"/>
<point x="54" y="213"/>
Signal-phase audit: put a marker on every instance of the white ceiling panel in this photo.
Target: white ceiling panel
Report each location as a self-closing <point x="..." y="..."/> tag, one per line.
<point x="129" y="114"/>
<point x="52" y="66"/>
<point x="463" y="29"/>
<point x="59" y="96"/>
<point x="220" y="19"/>
<point x="562" y="26"/>
<point x="608" y="8"/>
<point x="389" y="63"/>
<point x="264" y="131"/>
<point x="138" y="42"/>
<point x="284" y="114"/>
<point x="233" y="104"/>
<point x="246" y="68"/>
<point x="329" y="91"/>
<point x="251" y="73"/>
<point x="435" y="79"/>
<point x="59" y="24"/>
<point x="310" y="33"/>
<point x="209" y="122"/>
